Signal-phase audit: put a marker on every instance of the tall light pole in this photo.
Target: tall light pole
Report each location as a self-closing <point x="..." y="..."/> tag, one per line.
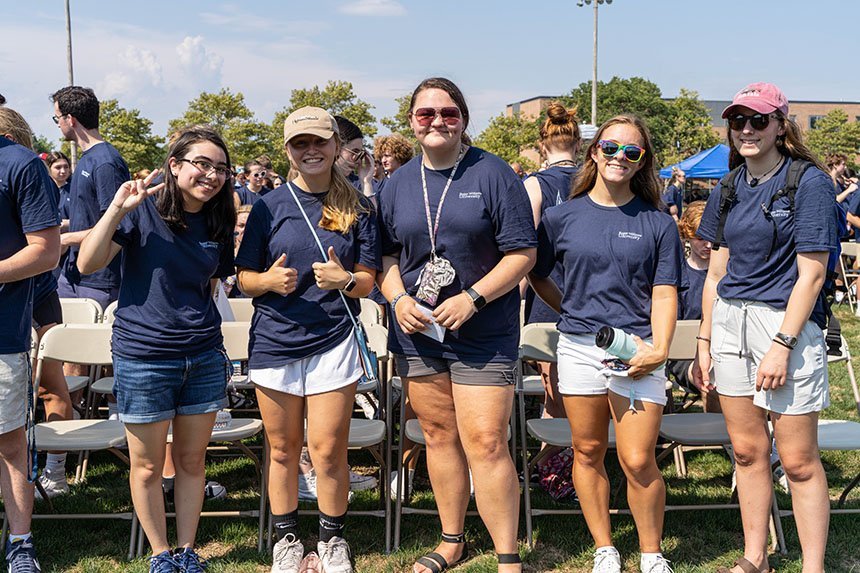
<point x="72" y="145"/>
<point x="596" y="3"/>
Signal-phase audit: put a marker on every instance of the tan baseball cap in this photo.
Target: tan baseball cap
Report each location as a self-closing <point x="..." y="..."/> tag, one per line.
<point x="309" y="120"/>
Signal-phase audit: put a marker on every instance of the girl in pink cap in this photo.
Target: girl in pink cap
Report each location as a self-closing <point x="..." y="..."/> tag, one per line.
<point x="761" y="344"/>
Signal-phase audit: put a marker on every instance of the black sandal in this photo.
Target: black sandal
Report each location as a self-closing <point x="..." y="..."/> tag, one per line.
<point x="436" y="563"/>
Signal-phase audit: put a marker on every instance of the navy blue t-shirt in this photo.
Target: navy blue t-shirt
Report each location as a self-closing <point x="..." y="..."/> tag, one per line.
<point x="673" y="196"/>
<point x="65" y="199"/>
<point x="248" y="197"/>
<point x="554" y="190"/>
<point x="165" y="308"/>
<point x="611" y="259"/>
<point x="485" y="215"/>
<point x="810" y="228"/>
<point x="309" y="320"/>
<point x="374" y="184"/>
<point x="28" y="203"/>
<point x="690" y="299"/>
<point x="98" y="174"/>
<point x="853" y="202"/>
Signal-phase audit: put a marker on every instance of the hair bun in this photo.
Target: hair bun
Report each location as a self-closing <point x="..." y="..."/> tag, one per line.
<point x="557" y="114"/>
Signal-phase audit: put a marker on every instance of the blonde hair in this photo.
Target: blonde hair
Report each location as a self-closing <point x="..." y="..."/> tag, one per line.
<point x="690" y="220"/>
<point x="14" y="124"/>
<point x="341" y="205"/>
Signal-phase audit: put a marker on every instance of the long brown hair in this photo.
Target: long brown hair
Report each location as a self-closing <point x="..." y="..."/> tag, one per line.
<point x="790" y="144"/>
<point x="14" y="124"/>
<point x="644" y="184"/>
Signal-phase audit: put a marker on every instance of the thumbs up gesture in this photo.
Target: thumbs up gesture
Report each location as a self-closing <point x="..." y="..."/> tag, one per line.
<point x="281" y="279"/>
<point x="331" y="275"/>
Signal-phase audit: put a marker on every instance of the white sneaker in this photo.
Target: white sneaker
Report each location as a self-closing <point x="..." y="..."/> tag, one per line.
<point x="369" y="405"/>
<point x="358" y="482"/>
<point x="287" y="555"/>
<point x="335" y="556"/>
<point x="222" y="420"/>
<point x="308" y="486"/>
<point x="606" y="560"/>
<point x="54" y="485"/>
<point x="658" y="564"/>
<point x="407" y="487"/>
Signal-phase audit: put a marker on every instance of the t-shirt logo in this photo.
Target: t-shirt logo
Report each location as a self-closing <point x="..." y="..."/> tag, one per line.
<point x="779" y="213"/>
<point x="209" y="244"/>
<point x="85" y="173"/>
<point x="470" y="195"/>
<point x="629" y="235"/>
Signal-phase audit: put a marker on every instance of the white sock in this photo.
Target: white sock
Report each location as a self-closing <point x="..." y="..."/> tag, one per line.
<point x="647" y="560"/>
<point x="606" y="549"/>
<point x="16" y="538"/>
<point x="56" y="464"/>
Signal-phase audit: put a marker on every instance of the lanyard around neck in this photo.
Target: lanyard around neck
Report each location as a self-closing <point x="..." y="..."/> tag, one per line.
<point x="433" y="227"/>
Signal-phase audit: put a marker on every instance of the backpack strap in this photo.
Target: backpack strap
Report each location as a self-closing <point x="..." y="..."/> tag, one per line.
<point x="728" y="193"/>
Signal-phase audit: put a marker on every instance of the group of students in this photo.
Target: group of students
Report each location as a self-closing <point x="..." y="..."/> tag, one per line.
<point x="448" y="240"/>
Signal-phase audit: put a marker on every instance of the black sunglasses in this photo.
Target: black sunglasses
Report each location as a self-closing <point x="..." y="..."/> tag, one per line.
<point x="758" y="121"/>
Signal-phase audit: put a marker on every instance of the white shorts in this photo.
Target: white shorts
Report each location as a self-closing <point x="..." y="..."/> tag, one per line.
<point x="579" y="373"/>
<point x="14" y="385"/>
<point x="331" y="370"/>
<point x="741" y="334"/>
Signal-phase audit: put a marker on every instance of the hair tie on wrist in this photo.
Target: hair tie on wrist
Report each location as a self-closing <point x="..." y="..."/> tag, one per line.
<point x="703" y="338"/>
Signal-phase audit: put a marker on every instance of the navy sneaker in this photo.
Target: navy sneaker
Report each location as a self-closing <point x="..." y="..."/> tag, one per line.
<point x="21" y="557"/>
<point x="189" y="561"/>
<point x="163" y="563"/>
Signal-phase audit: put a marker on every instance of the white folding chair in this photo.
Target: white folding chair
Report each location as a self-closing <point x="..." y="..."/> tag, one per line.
<point x="110" y="312"/>
<point x="371" y="313"/>
<point x="80" y="311"/>
<point x="243" y="308"/>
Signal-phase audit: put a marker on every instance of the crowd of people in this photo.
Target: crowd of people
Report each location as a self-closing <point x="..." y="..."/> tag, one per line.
<point x="450" y="241"/>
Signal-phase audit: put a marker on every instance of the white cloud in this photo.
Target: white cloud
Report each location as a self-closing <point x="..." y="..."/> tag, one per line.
<point x="137" y="70"/>
<point x="201" y="65"/>
<point x="374" y="8"/>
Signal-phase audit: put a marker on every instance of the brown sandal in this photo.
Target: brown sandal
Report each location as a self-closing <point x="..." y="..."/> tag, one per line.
<point x="746" y="566"/>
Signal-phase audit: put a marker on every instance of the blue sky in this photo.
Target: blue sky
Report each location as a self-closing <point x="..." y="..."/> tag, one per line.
<point x="156" y="56"/>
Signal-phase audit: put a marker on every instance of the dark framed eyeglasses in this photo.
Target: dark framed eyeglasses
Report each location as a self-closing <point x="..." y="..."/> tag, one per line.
<point x="207" y="168"/>
<point x="611" y="148"/>
<point x="758" y="121"/>
<point x="56" y="118"/>
<point x="426" y="115"/>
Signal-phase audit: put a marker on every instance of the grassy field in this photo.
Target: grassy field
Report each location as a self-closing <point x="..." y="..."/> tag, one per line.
<point x="695" y="541"/>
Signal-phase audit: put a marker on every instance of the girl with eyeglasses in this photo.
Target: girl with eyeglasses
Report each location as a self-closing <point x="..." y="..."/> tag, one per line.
<point x="451" y="268"/>
<point x="761" y="342"/>
<point x="621" y="267"/>
<point x="168" y="356"/>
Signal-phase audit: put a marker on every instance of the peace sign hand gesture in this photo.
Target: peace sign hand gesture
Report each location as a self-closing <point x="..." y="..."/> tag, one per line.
<point x="132" y="193"/>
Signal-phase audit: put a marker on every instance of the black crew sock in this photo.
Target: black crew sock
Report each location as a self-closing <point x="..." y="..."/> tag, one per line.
<point x="286" y="523"/>
<point x="331" y="526"/>
<point x="167" y="485"/>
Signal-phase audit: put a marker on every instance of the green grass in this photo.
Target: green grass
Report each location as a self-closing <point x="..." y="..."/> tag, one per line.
<point x="695" y="541"/>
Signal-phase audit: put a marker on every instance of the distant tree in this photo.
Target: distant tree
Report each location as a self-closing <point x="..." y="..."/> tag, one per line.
<point x="42" y="144"/>
<point x="635" y="95"/>
<point x="246" y="137"/>
<point x="833" y="133"/>
<point x="338" y="98"/>
<point x="508" y="137"/>
<point x="131" y="134"/>
<point x="399" y="123"/>
<point x="692" y="129"/>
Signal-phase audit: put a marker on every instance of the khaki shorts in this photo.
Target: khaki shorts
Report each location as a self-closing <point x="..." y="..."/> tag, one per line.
<point x="741" y="334"/>
<point x="14" y="386"/>
<point x="466" y="373"/>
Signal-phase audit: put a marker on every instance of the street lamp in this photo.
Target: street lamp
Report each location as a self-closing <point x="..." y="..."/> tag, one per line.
<point x="596" y="3"/>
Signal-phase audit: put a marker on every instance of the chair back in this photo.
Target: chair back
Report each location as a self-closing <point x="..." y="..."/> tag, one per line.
<point x="684" y="345"/>
<point x="371" y="313"/>
<point x="110" y="313"/>
<point x="236" y="338"/>
<point x="539" y="341"/>
<point x="377" y="340"/>
<point x="80" y="311"/>
<point x="77" y="344"/>
<point x="243" y="308"/>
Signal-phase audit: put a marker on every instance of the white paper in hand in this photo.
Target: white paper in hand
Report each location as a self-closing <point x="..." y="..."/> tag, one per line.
<point x="434" y="330"/>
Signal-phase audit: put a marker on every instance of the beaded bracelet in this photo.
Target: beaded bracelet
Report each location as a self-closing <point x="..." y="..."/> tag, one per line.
<point x="397" y="298"/>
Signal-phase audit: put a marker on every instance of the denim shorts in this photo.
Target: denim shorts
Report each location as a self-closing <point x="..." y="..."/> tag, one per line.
<point x="154" y="390"/>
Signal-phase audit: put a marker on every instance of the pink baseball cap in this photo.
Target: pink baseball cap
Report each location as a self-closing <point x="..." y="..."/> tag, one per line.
<point x="761" y="97"/>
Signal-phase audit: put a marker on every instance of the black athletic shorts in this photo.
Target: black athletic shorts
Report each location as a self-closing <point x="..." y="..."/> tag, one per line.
<point x="48" y="311"/>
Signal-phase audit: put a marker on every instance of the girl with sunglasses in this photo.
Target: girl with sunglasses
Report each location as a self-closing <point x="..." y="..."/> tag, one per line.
<point x="255" y="185"/>
<point x="621" y="267"/>
<point x="304" y="355"/>
<point x="170" y="367"/>
<point x="450" y="273"/>
<point x="761" y="342"/>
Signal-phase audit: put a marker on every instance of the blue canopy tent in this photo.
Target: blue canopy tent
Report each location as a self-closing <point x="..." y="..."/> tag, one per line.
<point x="711" y="163"/>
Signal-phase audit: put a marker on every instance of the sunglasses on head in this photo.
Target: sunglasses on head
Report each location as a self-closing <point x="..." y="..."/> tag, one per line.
<point x="758" y="121"/>
<point x="425" y="115"/>
<point x="610" y="148"/>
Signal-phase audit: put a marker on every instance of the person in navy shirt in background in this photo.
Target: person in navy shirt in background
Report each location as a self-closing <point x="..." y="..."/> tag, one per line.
<point x="471" y="244"/>
<point x="29" y="245"/>
<point x="559" y="143"/>
<point x="303" y="352"/>
<point x="761" y="342"/>
<point x="673" y="196"/>
<point x="254" y="188"/>
<point x="354" y="161"/>
<point x="169" y="361"/>
<point x="98" y="174"/>
<point x="621" y="267"/>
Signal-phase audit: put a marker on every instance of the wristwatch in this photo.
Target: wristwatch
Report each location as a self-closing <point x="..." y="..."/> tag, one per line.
<point x="786" y="339"/>
<point x="350" y="284"/>
<point x="478" y="300"/>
